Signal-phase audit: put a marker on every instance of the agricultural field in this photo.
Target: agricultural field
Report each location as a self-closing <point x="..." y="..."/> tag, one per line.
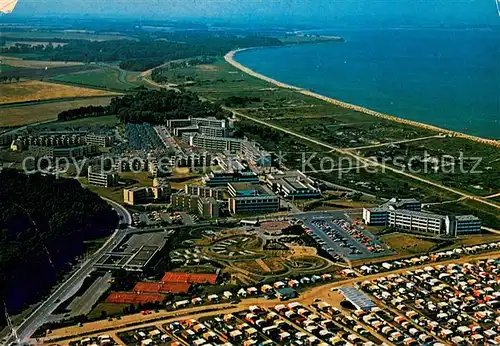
<point x="33" y="113"/>
<point x="20" y="62"/>
<point x="107" y="77"/>
<point x="37" y="91"/>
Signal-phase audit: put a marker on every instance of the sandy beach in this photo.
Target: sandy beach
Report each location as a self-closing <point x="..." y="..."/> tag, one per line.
<point x="230" y="58"/>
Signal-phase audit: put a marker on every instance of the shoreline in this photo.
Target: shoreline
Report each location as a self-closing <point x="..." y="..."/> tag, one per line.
<point x="230" y="59"/>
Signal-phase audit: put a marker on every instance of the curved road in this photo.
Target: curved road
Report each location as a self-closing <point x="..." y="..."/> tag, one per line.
<point x="43" y="312"/>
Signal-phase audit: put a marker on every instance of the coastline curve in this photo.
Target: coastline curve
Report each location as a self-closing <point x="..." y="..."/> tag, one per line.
<point x="230" y="58"/>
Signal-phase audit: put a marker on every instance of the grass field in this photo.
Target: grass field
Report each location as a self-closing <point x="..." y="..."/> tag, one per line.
<point x="28" y="114"/>
<point x="347" y="128"/>
<point x="37" y="90"/>
<point x="19" y="62"/>
<point x="104" y="121"/>
<point x="407" y="244"/>
<point x="106" y="77"/>
<point x="8" y="68"/>
<point x="64" y="34"/>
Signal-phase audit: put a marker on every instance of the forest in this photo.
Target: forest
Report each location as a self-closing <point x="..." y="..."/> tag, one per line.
<point x="82" y="112"/>
<point x="146" y="53"/>
<point x="156" y="107"/>
<point x="150" y="106"/>
<point x="44" y="222"/>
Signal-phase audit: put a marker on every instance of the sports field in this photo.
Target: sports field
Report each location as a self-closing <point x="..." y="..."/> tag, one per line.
<point x="37" y="90"/>
<point x="28" y="114"/>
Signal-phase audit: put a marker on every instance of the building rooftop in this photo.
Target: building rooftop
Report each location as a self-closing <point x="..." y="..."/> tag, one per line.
<point x="244" y="189"/>
<point x="357" y="298"/>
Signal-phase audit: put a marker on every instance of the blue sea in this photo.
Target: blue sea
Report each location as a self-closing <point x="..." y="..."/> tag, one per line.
<point x="445" y="77"/>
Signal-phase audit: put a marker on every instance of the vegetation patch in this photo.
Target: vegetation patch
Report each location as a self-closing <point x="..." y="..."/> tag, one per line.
<point x="37" y="91"/>
<point x="45" y="111"/>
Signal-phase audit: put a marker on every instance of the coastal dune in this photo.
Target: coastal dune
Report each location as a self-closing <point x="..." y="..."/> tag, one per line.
<point x="229" y="57"/>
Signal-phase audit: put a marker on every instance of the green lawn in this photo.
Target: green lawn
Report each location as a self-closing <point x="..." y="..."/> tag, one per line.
<point x="105" y="121"/>
<point x="8" y="68"/>
<point x="105" y="77"/>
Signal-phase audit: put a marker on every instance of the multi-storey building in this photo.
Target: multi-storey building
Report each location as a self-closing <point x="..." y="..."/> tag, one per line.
<point x="213" y="131"/>
<point x="99" y="140"/>
<point x="403" y="203"/>
<point x="219" y="193"/>
<point x="223" y="178"/>
<point x="136" y="195"/>
<point x="293" y="184"/>
<point x="216" y="143"/>
<point x="68" y="152"/>
<point x="375" y="216"/>
<point x="208" y="208"/>
<point x="251" y="198"/>
<point x="99" y="177"/>
<point x="256" y="155"/>
<point x="184" y="202"/>
<point x="463" y="224"/>
<point x="416" y="221"/>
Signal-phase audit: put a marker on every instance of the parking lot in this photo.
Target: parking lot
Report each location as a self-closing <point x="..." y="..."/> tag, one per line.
<point x="338" y="236"/>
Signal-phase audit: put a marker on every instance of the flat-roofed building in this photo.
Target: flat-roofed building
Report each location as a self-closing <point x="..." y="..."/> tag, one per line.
<point x="209" y="121"/>
<point x="68" y="152"/>
<point x="208" y="208"/>
<point x="403" y="203"/>
<point x="251" y="198"/>
<point x="161" y="188"/>
<point x="179" y="131"/>
<point x="223" y="178"/>
<point x="213" y="131"/>
<point x="293" y="184"/>
<point x="463" y="224"/>
<point x="252" y="152"/>
<point x="136" y="195"/>
<point x="99" y="177"/>
<point x="375" y="216"/>
<point x="219" y="193"/>
<point x="174" y="123"/>
<point x="231" y="162"/>
<point x="99" y="140"/>
<point x="184" y="202"/>
<point x="416" y="221"/>
<point x="216" y="143"/>
<point x="191" y="160"/>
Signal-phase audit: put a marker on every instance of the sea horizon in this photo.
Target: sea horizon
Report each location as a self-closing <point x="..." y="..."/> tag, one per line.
<point x="423" y="75"/>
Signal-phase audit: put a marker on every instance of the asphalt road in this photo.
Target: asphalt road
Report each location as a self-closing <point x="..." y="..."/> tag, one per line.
<point x="382" y="166"/>
<point x="43" y="312"/>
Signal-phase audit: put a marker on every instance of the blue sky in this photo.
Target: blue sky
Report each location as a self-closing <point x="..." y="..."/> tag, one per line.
<point x="329" y="11"/>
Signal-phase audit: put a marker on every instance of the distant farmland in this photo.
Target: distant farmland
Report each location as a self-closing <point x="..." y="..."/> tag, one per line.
<point x="36" y="91"/>
<point x="65" y="35"/>
<point x="28" y="114"/>
<point x="18" y="62"/>
<point x="41" y="73"/>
